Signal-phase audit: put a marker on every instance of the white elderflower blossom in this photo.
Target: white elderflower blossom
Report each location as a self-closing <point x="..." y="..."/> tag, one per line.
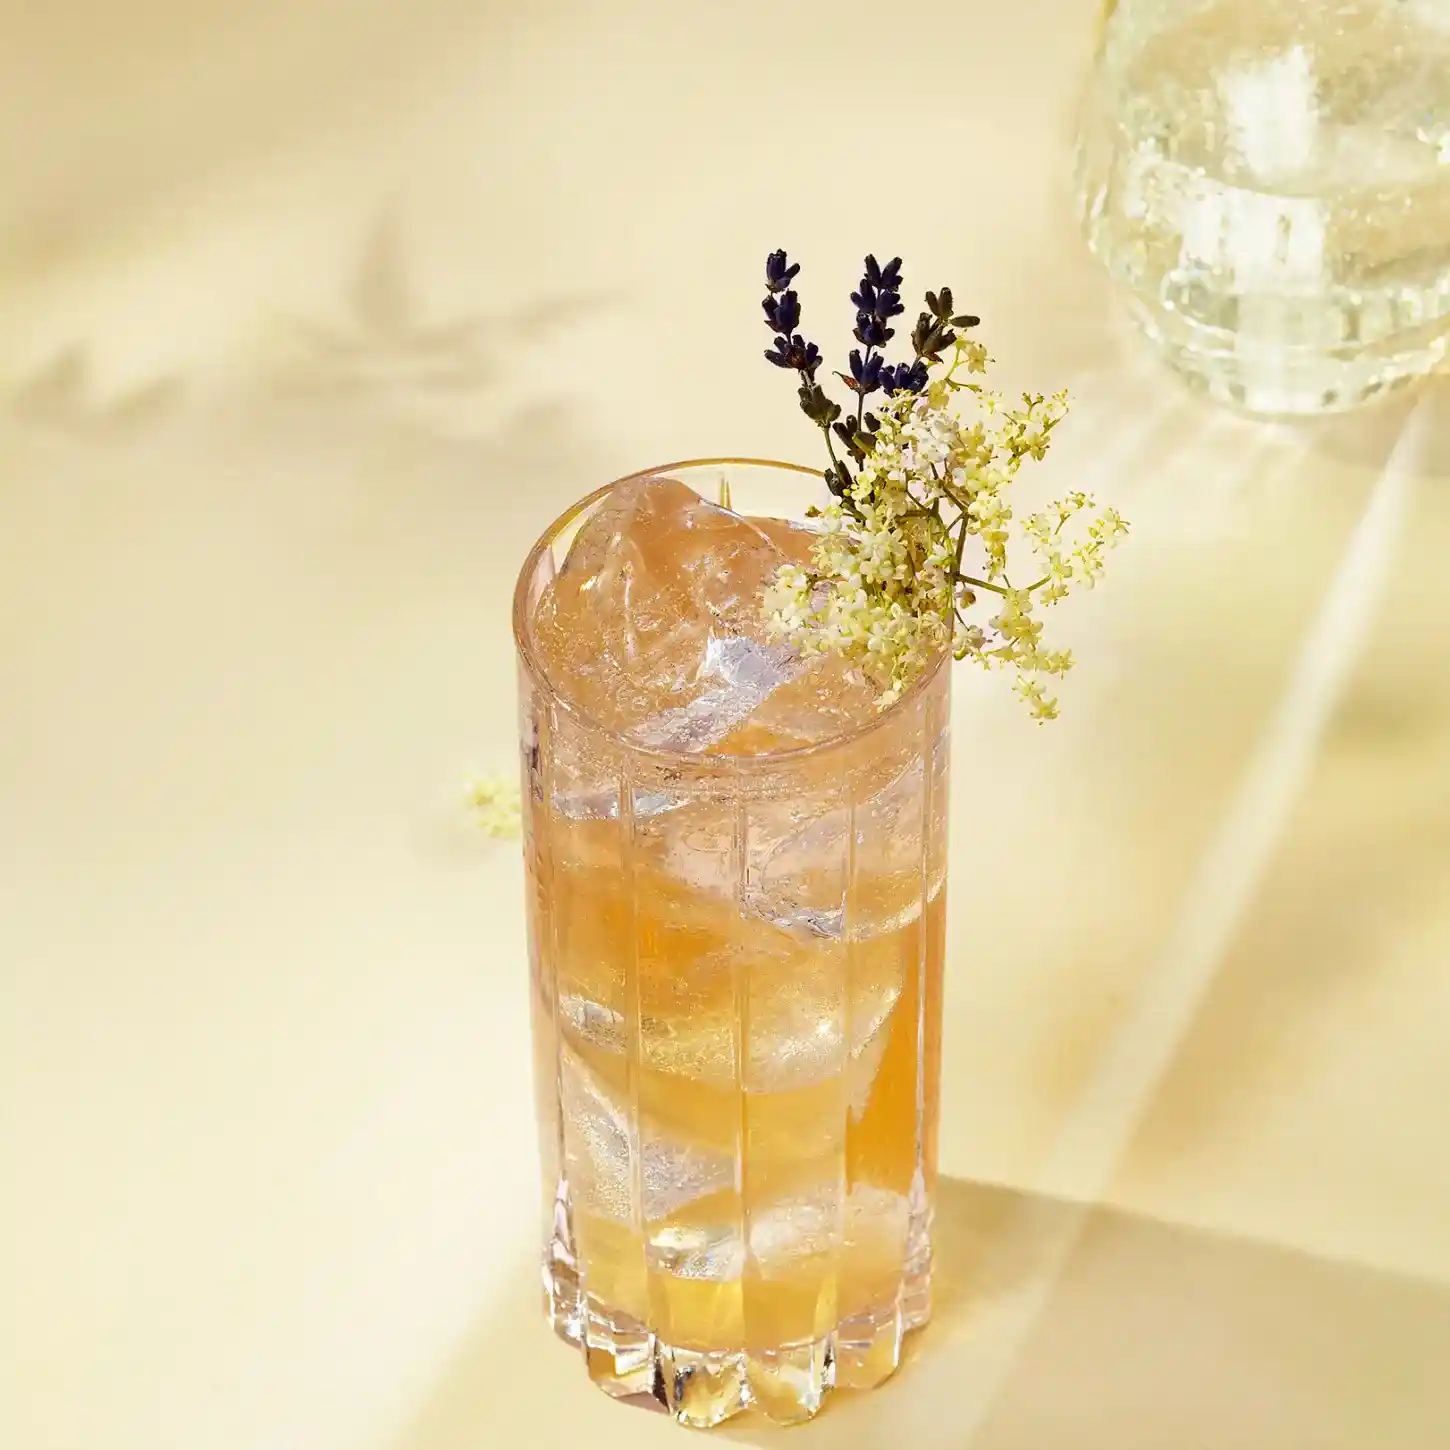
<point x="925" y="533"/>
<point x="919" y="547"/>
<point x="495" y="803"/>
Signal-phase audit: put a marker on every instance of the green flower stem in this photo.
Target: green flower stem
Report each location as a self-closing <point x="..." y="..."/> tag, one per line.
<point x="972" y="583"/>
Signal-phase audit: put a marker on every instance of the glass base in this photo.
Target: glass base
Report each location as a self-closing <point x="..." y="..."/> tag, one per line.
<point x="787" y="1383"/>
<point x="1287" y="383"/>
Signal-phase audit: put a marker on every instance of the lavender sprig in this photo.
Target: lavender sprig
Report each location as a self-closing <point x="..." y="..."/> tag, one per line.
<point x="877" y="300"/>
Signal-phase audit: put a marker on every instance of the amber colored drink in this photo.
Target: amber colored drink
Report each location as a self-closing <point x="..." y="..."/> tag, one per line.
<point x="736" y="873"/>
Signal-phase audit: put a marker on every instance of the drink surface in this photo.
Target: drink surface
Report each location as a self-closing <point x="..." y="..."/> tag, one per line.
<point x="1270" y="180"/>
<point x="737" y="971"/>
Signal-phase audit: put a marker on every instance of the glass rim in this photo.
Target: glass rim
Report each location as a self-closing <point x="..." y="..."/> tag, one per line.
<point x="580" y="717"/>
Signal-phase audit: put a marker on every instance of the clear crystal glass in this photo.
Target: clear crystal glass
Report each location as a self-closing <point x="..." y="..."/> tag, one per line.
<point x="736" y="991"/>
<point x="1269" y="181"/>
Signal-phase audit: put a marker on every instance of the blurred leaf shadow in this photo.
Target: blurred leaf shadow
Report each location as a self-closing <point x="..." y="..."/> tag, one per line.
<point x="1058" y="1325"/>
<point x="60" y="399"/>
<point x="420" y="425"/>
<point x="384" y="345"/>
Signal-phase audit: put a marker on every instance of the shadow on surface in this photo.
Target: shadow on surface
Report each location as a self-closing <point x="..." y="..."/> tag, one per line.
<point x="1364" y="864"/>
<point x="1151" y="1337"/>
<point x="60" y="399"/>
<point x="382" y="342"/>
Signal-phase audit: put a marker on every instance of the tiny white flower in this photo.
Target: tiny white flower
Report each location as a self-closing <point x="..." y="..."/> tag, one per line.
<point x="922" y="554"/>
<point x="495" y="803"/>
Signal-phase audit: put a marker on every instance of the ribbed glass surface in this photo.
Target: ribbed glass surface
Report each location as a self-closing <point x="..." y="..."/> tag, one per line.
<point x="736" y="967"/>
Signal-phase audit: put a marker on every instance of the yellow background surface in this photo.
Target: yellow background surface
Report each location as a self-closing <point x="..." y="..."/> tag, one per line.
<point x="311" y="317"/>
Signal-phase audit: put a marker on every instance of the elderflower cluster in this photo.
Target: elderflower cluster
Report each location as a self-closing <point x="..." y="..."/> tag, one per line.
<point x="495" y="804"/>
<point x="919" y="552"/>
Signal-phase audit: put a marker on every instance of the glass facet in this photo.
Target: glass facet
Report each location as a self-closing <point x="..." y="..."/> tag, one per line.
<point x="1269" y="182"/>
<point x="736" y="966"/>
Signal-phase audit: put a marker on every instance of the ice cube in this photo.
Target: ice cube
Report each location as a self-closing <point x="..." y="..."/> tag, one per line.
<point x="797" y="851"/>
<point x="878" y="1215"/>
<point x="781" y="1234"/>
<point x="593" y="1022"/>
<point x="791" y="1229"/>
<point x="634" y="627"/>
<point x="824" y="697"/>
<point x="596" y="1142"/>
<point x="654" y="628"/>
<point x="872" y="1007"/>
<point x="597" y="1149"/>
<point x="747" y="673"/>
<point x="796" y="1038"/>
<point x="698" y="1251"/>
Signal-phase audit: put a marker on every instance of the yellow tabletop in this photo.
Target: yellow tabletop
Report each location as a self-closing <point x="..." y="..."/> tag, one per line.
<point x="311" y="317"/>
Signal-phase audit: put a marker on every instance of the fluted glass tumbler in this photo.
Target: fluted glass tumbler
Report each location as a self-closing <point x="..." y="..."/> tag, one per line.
<point x="736" y="953"/>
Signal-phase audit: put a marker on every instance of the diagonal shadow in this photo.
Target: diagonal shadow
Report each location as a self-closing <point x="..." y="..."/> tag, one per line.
<point x="1366" y="856"/>
<point x="1153" y="1335"/>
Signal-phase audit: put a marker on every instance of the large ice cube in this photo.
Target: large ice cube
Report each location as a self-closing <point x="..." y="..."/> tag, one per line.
<point x="654" y="628"/>
<point x="597" y="1152"/>
<point x="824" y="698"/>
<point x="743" y="674"/>
<point x="654" y="579"/>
